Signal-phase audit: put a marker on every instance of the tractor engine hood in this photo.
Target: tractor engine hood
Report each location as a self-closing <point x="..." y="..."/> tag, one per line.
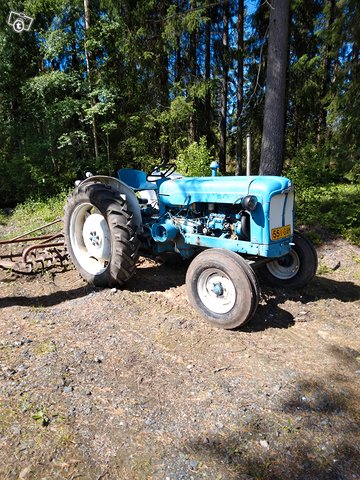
<point x="230" y="190"/>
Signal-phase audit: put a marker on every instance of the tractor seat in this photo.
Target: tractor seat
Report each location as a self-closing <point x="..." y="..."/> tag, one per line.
<point x="135" y="179"/>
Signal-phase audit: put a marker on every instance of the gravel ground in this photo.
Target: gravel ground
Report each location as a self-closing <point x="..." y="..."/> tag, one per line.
<point x="133" y="384"/>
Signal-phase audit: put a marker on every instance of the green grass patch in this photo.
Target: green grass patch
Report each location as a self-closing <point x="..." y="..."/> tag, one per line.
<point x="33" y="213"/>
<point x="3" y="218"/>
<point x="40" y="211"/>
<point x="333" y="207"/>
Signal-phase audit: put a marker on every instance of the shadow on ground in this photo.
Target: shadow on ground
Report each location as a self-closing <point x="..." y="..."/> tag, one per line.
<point x="322" y="288"/>
<point x="46" y="300"/>
<point x="159" y="278"/>
<point x="311" y="434"/>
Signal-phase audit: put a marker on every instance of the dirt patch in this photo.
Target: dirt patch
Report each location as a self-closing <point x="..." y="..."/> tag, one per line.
<point x="132" y="384"/>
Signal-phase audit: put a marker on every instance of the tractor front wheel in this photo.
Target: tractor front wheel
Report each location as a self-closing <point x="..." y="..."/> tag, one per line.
<point x="101" y="235"/>
<point x="223" y="288"/>
<point x="294" y="270"/>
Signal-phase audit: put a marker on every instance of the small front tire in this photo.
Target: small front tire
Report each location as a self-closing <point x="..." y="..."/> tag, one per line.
<point x="223" y="288"/>
<point x="294" y="270"/>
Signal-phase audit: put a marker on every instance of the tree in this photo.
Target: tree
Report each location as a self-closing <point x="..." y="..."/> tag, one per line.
<point x="134" y="83"/>
<point x="89" y="72"/>
<point x="224" y="88"/>
<point x="240" y="86"/>
<point x="327" y="69"/>
<point x="207" y="106"/>
<point x="272" y="145"/>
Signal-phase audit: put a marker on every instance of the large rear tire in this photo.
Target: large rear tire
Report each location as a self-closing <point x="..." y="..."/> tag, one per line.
<point x="293" y="271"/>
<point x="101" y="234"/>
<point x="223" y="288"/>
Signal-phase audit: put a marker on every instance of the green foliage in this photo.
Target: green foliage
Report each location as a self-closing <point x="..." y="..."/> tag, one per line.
<point x="311" y="166"/>
<point x="334" y="207"/>
<point x="3" y="218"/>
<point x="194" y="160"/>
<point x="36" y="212"/>
<point x="151" y="93"/>
<point x="41" y="416"/>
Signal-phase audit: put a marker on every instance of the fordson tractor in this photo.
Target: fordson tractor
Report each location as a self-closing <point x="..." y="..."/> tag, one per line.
<point x="227" y="227"/>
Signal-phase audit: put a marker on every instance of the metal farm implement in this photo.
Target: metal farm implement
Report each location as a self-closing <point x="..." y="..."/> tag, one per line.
<point x="27" y="253"/>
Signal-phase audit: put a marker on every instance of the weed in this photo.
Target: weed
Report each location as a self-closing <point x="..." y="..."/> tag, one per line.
<point x="46" y="347"/>
<point x="41" y="416"/>
<point x="3" y="218"/>
<point x="290" y="427"/>
<point x="323" y="269"/>
<point x="65" y="437"/>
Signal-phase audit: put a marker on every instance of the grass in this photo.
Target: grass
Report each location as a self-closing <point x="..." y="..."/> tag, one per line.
<point x="333" y="207"/>
<point x="33" y="213"/>
<point x="323" y="269"/>
<point x="3" y="218"/>
<point x="45" y="347"/>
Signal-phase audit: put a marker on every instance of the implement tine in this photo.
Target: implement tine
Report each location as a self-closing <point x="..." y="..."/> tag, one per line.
<point x="15" y="239"/>
<point x="45" y="250"/>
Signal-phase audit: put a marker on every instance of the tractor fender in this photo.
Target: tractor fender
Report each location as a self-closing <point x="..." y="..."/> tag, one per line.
<point x="126" y="192"/>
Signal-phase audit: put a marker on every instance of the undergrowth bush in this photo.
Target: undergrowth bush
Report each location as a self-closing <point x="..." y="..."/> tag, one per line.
<point x="310" y="166"/>
<point x="334" y="207"/>
<point x="194" y="160"/>
<point x="3" y="218"/>
<point x="35" y="212"/>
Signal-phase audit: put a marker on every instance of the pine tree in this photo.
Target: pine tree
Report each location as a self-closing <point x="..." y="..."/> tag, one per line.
<point x="272" y="145"/>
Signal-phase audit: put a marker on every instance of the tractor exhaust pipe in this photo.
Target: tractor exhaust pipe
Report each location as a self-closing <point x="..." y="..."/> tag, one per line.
<point x="248" y="154"/>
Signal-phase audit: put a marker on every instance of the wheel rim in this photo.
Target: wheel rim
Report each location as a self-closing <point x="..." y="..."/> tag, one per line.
<point x="285" y="267"/>
<point x="216" y="291"/>
<point x="90" y="239"/>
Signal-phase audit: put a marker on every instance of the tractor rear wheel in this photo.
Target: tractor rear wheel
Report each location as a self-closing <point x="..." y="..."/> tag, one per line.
<point x="294" y="270"/>
<point x="223" y="288"/>
<point x="101" y="234"/>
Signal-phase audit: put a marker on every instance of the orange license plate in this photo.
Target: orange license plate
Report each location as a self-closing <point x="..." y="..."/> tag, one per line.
<point x="280" y="232"/>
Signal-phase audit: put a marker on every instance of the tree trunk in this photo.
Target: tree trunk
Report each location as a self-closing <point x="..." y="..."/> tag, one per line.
<point x="240" y="87"/>
<point x="207" y="78"/>
<point x="178" y="62"/>
<point x="88" y="59"/>
<point x="163" y="65"/>
<point x="327" y="74"/>
<point x="224" y="88"/>
<point x="74" y="55"/>
<point x="192" y="64"/>
<point x="272" y="145"/>
<point x="164" y="92"/>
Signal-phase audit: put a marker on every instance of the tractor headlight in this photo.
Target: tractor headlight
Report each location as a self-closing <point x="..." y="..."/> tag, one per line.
<point x="249" y="202"/>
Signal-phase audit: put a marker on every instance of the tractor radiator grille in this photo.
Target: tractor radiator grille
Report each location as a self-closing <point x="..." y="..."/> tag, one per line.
<point x="281" y="210"/>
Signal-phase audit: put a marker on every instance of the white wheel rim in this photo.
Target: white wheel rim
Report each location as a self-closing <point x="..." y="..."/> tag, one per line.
<point x="216" y="291"/>
<point x="90" y="239"/>
<point x="286" y="267"/>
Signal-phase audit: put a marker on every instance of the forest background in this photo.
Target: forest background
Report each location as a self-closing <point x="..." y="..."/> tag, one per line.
<point x="98" y="85"/>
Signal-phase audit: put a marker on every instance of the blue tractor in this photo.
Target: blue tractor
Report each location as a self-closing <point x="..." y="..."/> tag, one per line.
<point x="231" y="229"/>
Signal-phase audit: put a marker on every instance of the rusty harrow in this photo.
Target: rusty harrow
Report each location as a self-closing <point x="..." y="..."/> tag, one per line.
<point x="28" y="253"/>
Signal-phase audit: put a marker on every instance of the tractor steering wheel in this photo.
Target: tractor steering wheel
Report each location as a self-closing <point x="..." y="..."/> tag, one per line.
<point x="157" y="173"/>
<point x="170" y="169"/>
